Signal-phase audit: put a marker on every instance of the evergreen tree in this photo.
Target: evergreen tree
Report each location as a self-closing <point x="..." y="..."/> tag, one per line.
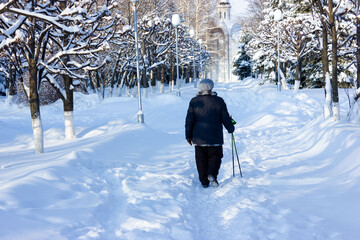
<point x="242" y="63"/>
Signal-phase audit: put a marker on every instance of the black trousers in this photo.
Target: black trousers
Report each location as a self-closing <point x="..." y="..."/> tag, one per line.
<point x="208" y="161"/>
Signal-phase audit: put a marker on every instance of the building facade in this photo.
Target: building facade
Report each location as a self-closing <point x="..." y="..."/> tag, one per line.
<point x="222" y="42"/>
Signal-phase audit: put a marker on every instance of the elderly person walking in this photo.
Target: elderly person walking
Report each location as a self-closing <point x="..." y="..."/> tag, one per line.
<point x="205" y="118"/>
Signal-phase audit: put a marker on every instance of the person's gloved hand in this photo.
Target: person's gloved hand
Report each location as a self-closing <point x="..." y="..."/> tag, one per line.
<point x="189" y="141"/>
<point x="233" y="121"/>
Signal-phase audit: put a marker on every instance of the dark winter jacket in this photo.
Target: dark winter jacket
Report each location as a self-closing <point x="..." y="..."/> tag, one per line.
<point x="205" y="118"/>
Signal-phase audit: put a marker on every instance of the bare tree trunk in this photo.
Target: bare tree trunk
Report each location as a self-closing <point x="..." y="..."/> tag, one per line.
<point x="98" y="83"/>
<point x="172" y="72"/>
<point x="153" y="70"/>
<point x="151" y="80"/>
<point x="92" y="86"/>
<point x="326" y="75"/>
<point x="34" y="101"/>
<point x="10" y="86"/>
<point x="122" y="76"/>
<point x="34" y="104"/>
<point x="324" y="52"/>
<point x="325" y="62"/>
<point x="143" y="77"/>
<point x="334" y="49"/>
<point x="297" y="74"/>
<point x="162" y="78"/>
<point x="298" y="63"/>
<point x="113" y="74"/>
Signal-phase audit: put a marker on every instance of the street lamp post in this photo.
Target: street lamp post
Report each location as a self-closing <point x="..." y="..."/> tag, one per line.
<point x="176" y="22"/>
<point x="192" y="35"/>
<point x="278" y="18"/>
<point x="140" y="113"/>
<point x="200" y="43"/>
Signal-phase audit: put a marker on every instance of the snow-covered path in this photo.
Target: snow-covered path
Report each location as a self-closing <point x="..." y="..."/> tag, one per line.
<point x="122" y="180"/>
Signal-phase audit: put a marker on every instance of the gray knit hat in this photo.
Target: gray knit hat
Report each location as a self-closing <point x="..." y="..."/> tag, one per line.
<point x="206" y="85"/>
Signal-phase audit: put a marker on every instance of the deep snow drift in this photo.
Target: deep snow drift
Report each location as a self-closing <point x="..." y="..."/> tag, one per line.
<point x="122" y="180"/>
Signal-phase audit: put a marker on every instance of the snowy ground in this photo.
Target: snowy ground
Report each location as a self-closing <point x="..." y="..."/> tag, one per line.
<point x="122" y="180"/>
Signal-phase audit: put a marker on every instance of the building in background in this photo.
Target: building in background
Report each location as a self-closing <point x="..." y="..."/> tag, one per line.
<point x="222" y="41"/>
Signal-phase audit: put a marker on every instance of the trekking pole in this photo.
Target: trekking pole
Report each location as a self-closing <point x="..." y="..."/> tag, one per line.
<point x="237" y="156"/>
<point x="232" y="154"/>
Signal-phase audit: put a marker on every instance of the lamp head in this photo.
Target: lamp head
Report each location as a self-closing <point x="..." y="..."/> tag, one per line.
<point x="134" y="1"/>
<point x="192" y="33"/>
<point x="278" y="15"/>
<point x="176" y="21"/>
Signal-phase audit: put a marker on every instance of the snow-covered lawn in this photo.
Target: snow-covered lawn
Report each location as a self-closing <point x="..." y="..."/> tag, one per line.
<point x="122" y="180"/>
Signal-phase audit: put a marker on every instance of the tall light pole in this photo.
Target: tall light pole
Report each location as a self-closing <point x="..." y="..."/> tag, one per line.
<point x="278" y="18"/>
<point x="192" y="35"/>
<point x="200" y="43"/>
<point x="176" y="22"/>
<point x="140" y="113"/>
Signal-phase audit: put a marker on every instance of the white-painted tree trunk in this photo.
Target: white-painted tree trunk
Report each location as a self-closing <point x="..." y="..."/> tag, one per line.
<point x="9" y="98"/>
<point x="146" y="92"/>
<point x="354" y="110"/>
<point x="120" y="87"/>
<point x="297" y="86"/>
<point x="336" y="111"/>
<point x="38" y="135"/>
<point x="328" y="98"/>
<point x="283" y="81"/>
<point x="195" y="83"/>
<point x="354" y="113"/>
<point x="153" y="90"/>
<point x="182" y="82"/>
<point x="69" y="125"/>
<point x="357" y="113"/>
<point x="162" y="87"/>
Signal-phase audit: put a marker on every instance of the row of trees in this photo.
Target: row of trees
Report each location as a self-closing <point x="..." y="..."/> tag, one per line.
<point x="84" y="45"/>
<point x="318" y="45"/>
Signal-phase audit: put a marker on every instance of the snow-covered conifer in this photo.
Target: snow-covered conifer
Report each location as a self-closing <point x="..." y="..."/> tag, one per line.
<point x="242" y="63"/>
